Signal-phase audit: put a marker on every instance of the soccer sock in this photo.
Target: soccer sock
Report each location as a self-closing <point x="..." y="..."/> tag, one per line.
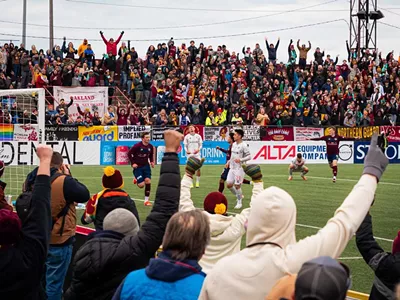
<point x="221" y="186"/>
<point x="290" y="171"/>
<point x="233" y="190"/>
<point x="198" y="179"/>
<point x="147" y="189"/>
<point x="245" y="181"/>
<point x="239" y="195"/>
<point x="334" y="170"/>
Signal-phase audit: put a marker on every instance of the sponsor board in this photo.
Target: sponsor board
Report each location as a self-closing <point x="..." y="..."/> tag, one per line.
<point x="199" y="129"/>
<point x="157" y="133"/>
<point x="307" y="133"/>
<point x="131" y="132"/>
<point x="26" y="133"/>
<point x="74" y="153"/>
<point x="355" y="132"/>
<point x="285" y="152"/>
<point x="361" y="149"/>
<point x="392" y="133"/>
<point x="277" y="134"/>
<point x="251" y="133"/>
<point x="216" y="133"/>
<point x="98" y="133"/>
<point x="61" y="133"/>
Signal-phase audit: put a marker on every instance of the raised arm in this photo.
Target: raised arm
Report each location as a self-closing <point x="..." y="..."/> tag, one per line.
<point x="120" y="37"/>
<point x="104" y="39"/>
<point x="185" y="202"/>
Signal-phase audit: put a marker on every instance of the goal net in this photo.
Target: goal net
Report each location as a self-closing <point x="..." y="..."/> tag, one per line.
<point x="22" y="122"/>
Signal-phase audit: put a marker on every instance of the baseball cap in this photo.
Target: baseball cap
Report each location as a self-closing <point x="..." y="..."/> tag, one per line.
<point x="322" y="278"/>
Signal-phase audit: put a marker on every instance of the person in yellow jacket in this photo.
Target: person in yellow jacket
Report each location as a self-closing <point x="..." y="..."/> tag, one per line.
<point x="221" y="117"/>
<point x="210" y="121"/>
<point x="82" y="48"/>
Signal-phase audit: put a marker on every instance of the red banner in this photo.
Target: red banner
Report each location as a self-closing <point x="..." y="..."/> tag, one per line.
<point x="277" y="134"/>
<point x="199" y="130"/>
<point x="392" y="133"/>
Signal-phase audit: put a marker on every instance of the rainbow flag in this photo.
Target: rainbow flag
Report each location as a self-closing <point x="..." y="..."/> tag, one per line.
<point x="6" y="132"/>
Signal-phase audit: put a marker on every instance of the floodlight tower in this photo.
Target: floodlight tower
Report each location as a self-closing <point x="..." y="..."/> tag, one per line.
<point x="364" y="15"/>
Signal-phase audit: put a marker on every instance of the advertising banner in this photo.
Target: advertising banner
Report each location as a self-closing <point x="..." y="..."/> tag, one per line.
<point x="285" y="152"/>
<point x="6" y="132"/>
<point x="198" y="128"/>
<point x="26" y="132"/>
<point x="392" y="152"/>
<point x="209" y="152"/>
<point x="131" y="132"/>
<point x="98" y="133"/>
<point x="356" y="132"/>
<point x="157" y="133"/>
<point x="251" y="133"/>
<point x="307" y="133"/>
<point x="61" y="133"/>
<point x="392" y="133"/>
<point x="74" y="153"/>
<point x="216" y="133"/>
<point x="277" y="134"/>
<point x="95" y="98"/>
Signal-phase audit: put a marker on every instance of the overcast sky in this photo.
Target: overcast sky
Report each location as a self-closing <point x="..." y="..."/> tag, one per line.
<point x="269" y="14"/>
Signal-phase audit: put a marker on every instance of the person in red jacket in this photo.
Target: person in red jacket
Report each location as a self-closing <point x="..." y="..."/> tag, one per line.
<point x="111" y="44"/>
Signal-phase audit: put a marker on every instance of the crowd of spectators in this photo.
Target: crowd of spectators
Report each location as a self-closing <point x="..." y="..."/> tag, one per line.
<point x="174" y="84"/>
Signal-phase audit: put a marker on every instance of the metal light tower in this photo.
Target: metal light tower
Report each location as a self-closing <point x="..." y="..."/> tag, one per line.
<point x="24" y="23"/>
<point x="51" y="25"/>
<point x="364" y="15"/>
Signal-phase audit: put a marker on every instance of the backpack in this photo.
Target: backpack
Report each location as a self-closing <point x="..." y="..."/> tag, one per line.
<point x="23" y="205"/>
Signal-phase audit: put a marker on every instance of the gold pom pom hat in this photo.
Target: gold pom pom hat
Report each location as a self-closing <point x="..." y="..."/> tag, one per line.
<point x="112" y="179"/>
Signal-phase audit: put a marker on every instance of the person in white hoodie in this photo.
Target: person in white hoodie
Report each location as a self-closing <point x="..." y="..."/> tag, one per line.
<point x="226" y="231"/>
<point x="272" y="251"/>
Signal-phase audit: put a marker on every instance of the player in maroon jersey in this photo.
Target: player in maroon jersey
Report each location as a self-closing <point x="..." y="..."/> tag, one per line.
<point x="141" y="156"/>
<point x="332" y="149"/>
<point x="225" y="172"/>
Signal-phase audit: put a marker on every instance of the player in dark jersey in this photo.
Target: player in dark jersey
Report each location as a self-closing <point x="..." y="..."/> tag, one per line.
<point x="225" y="172"/>
<point x="141" y="156"/>
<point x="332" y="149"/>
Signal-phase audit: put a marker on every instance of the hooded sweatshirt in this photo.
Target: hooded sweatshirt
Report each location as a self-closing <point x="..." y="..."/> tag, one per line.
<point x="272" y="251"/>
<point x="226" y="231"/>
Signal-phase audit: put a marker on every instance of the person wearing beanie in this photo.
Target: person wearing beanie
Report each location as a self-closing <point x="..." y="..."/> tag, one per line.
<point x="226" y="231"/>
<point x="3" y="201"/>
<point x="272" y="251"/>
<point x="112" y="196"/>
<point x="108" y="256"/>
<point x="23" y="246"/>
<point x="385" y="265"/>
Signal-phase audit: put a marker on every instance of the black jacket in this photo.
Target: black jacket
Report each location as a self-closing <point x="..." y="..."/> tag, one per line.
<point x="104" y="261"/>
<point x="22" y="266"/>
<point x="386" y="266"/>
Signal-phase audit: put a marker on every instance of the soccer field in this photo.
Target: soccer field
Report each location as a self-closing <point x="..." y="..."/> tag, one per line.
<point x="316" y="200"/>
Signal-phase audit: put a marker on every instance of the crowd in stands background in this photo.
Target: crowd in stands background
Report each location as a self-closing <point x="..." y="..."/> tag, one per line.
<point x="179" y="84"/>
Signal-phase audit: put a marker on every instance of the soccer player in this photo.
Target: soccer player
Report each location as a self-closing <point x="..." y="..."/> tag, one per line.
<point x="224" y="174"/>
<point x="298" y="164"/>
<point x="141" y="156"/>
<point x="239" y="154"/>
<point x="193" y="144"/>
<point x="332" y="149"/>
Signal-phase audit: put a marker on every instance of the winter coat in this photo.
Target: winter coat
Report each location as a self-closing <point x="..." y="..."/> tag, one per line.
<point x="226" y="231"/>
<point x="272" y="251"/>
<point x="111" y="47"/>
<point x="22" y="265"/>
<point x="386" y="266"/>
<point x="102" y="263"/>
<point x="164" y="278"/>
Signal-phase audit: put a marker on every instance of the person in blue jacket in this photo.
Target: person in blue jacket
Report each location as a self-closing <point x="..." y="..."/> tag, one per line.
<point x="175" y="273"/>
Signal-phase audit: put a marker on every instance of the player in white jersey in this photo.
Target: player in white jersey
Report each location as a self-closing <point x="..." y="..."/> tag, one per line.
<point x="298" y="165"/>
<point x="239" y="154"/>
<point x="193" y="144"/>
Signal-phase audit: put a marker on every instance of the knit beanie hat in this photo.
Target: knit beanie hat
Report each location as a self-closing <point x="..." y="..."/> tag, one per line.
<point x="216" y="203"/>
<point x="2" y="167"/>
<point x="122" y="221"/>
<point x="396" y="244"/>
<point x="10" y="227"/>
<point x="112" y="179"/>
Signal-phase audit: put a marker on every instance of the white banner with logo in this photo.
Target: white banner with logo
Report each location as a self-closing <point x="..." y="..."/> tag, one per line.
<point x="285" y="152"/>
<point x="94" y="98"/>
<point x="131" y="132"/>
<point x="216" y="133"/>
<point x="26" y="132"/>
<point x="74" y="153"/>
<point x="307" y="133"/>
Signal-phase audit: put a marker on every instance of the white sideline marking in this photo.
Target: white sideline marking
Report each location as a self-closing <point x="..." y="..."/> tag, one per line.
<point x="350" y="258"/>
<point x="300" y="225"/>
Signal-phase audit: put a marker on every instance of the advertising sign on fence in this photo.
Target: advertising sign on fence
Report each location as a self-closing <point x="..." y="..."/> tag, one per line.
<point x="251" y="133"/>
<point x="157" y="133"/>
<point x="216" y="133"/>
<point x="94" y="98"/>
<point x="392" y="152"/>
<point x="307" y="133"/>
<point x="98" y="133"/>
<point x="131" y="132"/>
<point x="199" y="129"/>
<point x="61" y="133"/>
<point x="356" y="132"/>
<point x="277" y="134"/>
<point x="26" y="132"/>
<point x="392" y="133"/>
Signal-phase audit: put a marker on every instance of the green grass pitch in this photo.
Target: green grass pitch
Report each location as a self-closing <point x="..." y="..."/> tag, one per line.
<point x="316" y="200"/>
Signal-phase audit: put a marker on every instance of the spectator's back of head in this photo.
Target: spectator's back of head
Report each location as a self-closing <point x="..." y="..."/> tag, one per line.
<point x="122" y="221"/>
<point x="56" y="160"/>
<point x="322" y="278"/>
<point x="187" y="235"/>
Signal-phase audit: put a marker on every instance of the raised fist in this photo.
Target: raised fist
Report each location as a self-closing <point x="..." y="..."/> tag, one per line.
<point x="172" y="140"/>
<point x="44" y="152"/>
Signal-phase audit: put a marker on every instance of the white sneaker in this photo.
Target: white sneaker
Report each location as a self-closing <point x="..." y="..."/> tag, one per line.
<point x="334" y="179"/>
<point x="238" y="205"/>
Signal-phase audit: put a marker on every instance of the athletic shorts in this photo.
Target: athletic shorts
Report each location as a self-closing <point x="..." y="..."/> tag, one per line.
<point x="142" y="173"/>
<point x="332" y="157"/>
<point x="235" y="176"/>
<point x="298" y="168"/>
<point x="224" y="174"/>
